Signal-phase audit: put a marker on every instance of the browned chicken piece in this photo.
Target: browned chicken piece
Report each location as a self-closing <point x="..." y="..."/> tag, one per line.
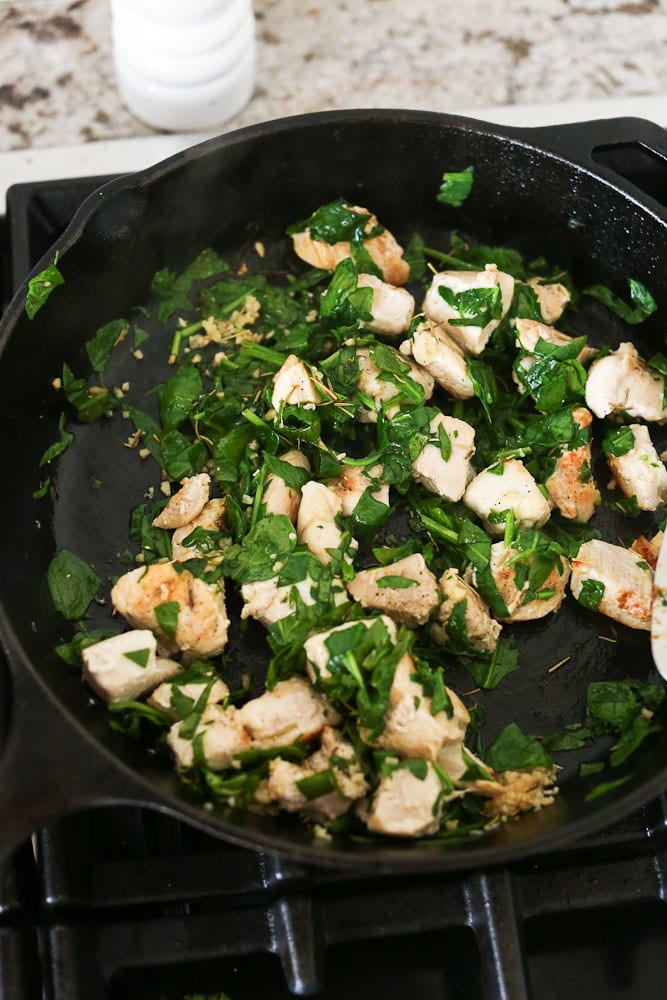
<point x="648" y="549"/>
<point x="125" y="667"/>
<point x="294" y="385"/>
<point x="278" y="497"/>
<point x="438" y="354"/>
<point x="392" y="308"/>
<point x="384" y="251"/>
<point x="406" y="805"/>
<point x="552" y="298"/>
<point x="316" y="521"/>
<point x="222" y="737"/>
<point x="410" y="605"/>
<point x="201" y="621"/>
<point x="640" y="472"/>
<point x="162" y="697"/>
<point x="352" y="483"/>
<point x="503" y="570"/>
<point x="625" y="582"/>
<point x="500" y="488"/>
<point x="381" y="390"/>
<point x="622" y="381"/>
<point x="184" y="506"/>
<point x="292" y="710"/>
<point x="571" y="486"/>
<point x="529" y="331"/>
<point x="211" y="518"/>
<point x="471" y="338"/>
<point x="482" y="630"/>
<point x="317" y="653"/>
<point x="447" y="477"/>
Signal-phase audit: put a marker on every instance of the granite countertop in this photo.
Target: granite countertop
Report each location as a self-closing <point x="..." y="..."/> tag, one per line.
<point x="57" y="83"/>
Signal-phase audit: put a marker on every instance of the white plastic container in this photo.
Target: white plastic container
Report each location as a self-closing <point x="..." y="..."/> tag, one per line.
<point x="184" y="65"/>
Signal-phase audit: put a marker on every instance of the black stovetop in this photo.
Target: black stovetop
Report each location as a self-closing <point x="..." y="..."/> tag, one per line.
<point x="127" y="904"/>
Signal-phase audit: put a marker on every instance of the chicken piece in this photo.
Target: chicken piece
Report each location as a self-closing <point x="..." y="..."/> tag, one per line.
<point x="211" y="518"/>
<point x="622" y="382"/>
<point x="317" y="652"/>
<point x="435" y="351"/>
<point x="491" y="494"/>
<point x="392" y="308"/>
<point x="163" y="696"/>
<point x="185" y="505"/>
<point x="529" y="331"/>
<point x="384" y="251"/>
<point x="336" y="756"/>
<point x="482" y="630"/>
<point x="352" y="483"/>
<point x="381" y="390"/>
<point x="552" y="298"/>
<point x="278" y="497"/>
<point x="471" y="338"/>
<point x="411" y="729"/>
<point x="648" y="549"/>
<point x="624" y="582"/>
<point x="294" y="386"/>
<point x="125" y="667"/>
<point x="223" y="737"/>
<point x="448" y="477"/>
<point x="269" y="602"/>
<point x="571" y="486"/>
<point x="514" y="792"/>
<point x="406" y="805"/>
<point x="201" y="621"/>
<point x="411" y="605"/>
<point x="640" y="472"/>
<point x="292" y="710"/>
<point x="316" y="521"/>
<point x="504" y="569"/>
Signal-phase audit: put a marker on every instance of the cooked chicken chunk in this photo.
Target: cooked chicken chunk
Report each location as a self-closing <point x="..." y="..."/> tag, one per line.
<point x="491" y="494"/>
<point x="405" y="805"/>
<point x="316" y="521"/>
<point x="317" y="652"/>
<point x="184" y="506"/>
<point x="292" y="711"/>
<point x="384" y="251"/>
<point x="222" y="737"/>
<point x="435" y="351"/>
<point x="294" y="386"/>
<point x="163" y="696"/>
<point x="381" y="390"/>
<point x="201" y="621"/>
<point x="529" y="331"/>
<point x="392" y="309"/>
<point x="622" y="382"/>
<point x="640" y="471"/>
<point x="552" y="298"/>
<point x="625" y="582"/>
<point x="648" y="549"/>
<point x="278" y="497"/>
<point x="352" y="483"/>
<point x="571" y="486"/>
<point x="503" y="568"/>
<point x="268" y="602"/>
<point x="125" y="667"/>
<point x="410" y="605"/>
<point x="472" y="338"/>
<point x="211" y="518"/>
<point x="482" y="630"/>
<point x="446" y="476"/>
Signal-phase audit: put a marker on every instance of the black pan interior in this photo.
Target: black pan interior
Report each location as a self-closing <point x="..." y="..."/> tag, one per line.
<point x="228" y="194"/>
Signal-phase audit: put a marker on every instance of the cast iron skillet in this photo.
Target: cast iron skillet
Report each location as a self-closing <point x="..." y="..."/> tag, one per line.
<point x="538" y="190"/>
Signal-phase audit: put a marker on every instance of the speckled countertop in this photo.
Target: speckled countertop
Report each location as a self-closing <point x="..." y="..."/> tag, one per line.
<point x="57" y="83"/>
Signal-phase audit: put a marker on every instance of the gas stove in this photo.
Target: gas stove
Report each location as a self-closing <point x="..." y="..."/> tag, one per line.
<point x="129" y="904"/>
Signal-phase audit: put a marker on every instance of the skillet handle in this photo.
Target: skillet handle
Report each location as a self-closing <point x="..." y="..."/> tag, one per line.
<point x="630" y="153"/>
<point x="49" y="767"/>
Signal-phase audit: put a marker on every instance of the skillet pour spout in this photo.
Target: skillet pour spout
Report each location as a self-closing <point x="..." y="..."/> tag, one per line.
<point x="563" y="192"/>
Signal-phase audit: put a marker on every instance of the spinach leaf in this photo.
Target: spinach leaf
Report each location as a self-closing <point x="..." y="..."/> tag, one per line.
<point x="105" y="339"/>
<point x="455" y="186"/>
<point x="72" y="583"/>
<point x="513" y="750"/>
<point x="618" y="441"/>
<point x="41" y="286"/>
<point x="643" y="303"/>
<point x="337" y="222"/>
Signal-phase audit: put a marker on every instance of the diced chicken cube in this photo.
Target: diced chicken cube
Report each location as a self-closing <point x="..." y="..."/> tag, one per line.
<point x="410" y="605"/>
<point x="493" y="492"/>
<point x="406" y="805"/>
<point x="626" y="582"/>
<point x="125" y="667"/>
<point x="471" y="338"/>
<point x="552" y="298"/>
<point x="294" y="386"/>
<point x="435" y="351"/>
<point x="317" y="653"/>
<point x="162" y="697"/>
<point x="381" y="390"/>
<point x="383" y="249"/>
<point x="268" y="602"/>
<point x="187" y="504"/>
<point x="622" y="382"/>
<point x="352" y="483"/>
<point x="222" y="737"/>
<point x="291" y="711"/>
<point x="482" y="630"/>
<point x="571" y="486"/>
<point x="648" y="549"/>
<point x="392" y="308"/>
<point x="529" y="331"/>
<point x="201" y="622"/>
<point x="211" y="518"/>
<point x="640" y="471"/>
<point x="278" y="497"/>
<point x="503" y="566"/>
<point x="316" y="521"/>
<point x="448" y="477"/>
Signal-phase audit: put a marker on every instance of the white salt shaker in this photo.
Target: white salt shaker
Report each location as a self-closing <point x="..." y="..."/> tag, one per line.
<point x="184" y="65"/>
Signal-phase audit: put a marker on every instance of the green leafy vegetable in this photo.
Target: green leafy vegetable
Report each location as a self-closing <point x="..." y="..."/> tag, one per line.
<point x="41" y="286"/>
<point x="72" y="583"/>
<point x="643" y="303"/>
<point x="455" y="187"/>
